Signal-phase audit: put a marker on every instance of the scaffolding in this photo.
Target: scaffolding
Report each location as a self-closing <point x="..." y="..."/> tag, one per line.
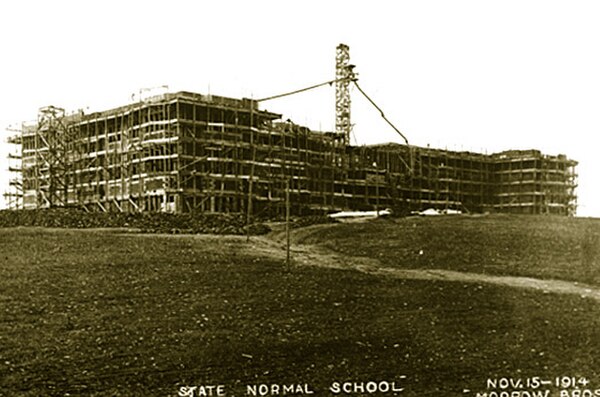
<point x="188" y="152"/>
<point x="517" y="181"/>
<point x="526" y="181"/>
<point x="45" y="160"/>
<point x="13" y="196"/>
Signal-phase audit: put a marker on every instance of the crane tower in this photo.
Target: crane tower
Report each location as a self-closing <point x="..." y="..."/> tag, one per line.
<point x="343" y="75"/>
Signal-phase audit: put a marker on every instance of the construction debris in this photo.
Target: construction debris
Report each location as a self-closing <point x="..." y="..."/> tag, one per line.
<point x="360" y="214"/>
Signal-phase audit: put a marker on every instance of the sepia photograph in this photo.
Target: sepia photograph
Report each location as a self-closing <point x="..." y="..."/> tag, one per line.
<point x="316" y="198"/>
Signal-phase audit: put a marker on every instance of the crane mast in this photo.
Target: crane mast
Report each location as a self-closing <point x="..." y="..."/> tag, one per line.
<point x="343" y="75"/>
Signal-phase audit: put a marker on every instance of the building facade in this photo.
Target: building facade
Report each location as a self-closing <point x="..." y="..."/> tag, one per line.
<point x="187" y="152"/>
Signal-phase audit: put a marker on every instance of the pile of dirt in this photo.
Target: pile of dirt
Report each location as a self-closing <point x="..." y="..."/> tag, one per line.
<point x="145" y="222"/>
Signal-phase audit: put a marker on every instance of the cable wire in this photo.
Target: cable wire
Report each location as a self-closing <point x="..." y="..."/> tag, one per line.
<point x="380" y="111"/>
<point x="301" y="90"/>
<point x="410" y="154"/>
<point x="352" y="78"/>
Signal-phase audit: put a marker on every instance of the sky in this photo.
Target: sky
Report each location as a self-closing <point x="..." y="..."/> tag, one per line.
<point x="474" y="75"/>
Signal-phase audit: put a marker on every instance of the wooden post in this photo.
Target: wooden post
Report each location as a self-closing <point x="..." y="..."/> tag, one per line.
<point x="287" y="222"/>
<point x="250" y="179"/>
<point x="377" y="194"/>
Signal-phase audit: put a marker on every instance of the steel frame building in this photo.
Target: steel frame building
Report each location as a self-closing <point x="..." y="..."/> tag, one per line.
<point x="186" y="152"/>
<point x="516" y="181"/>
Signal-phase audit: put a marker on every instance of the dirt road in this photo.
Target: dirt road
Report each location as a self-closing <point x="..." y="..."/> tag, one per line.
<point x="315" y="255"/>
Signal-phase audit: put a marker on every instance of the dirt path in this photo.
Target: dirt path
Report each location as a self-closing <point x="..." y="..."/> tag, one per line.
<point x="314" y="255"/>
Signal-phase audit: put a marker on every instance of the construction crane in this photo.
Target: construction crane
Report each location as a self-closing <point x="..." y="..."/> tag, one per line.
<point x="344" y="76"/>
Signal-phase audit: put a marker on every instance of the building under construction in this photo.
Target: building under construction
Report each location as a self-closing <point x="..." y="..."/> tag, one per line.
<point x="186" y="152"/>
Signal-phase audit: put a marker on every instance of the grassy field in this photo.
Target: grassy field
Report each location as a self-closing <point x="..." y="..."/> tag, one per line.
<point x="108" y="314"/>
<point x="544" y="247"/>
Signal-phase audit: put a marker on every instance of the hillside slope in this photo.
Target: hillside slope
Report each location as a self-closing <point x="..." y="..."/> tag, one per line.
<point x="531" y="246"/>
<point x="109" y="314"/>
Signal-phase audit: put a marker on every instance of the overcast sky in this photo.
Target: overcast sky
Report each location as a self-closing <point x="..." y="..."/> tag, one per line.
<point x="465" y="75"/>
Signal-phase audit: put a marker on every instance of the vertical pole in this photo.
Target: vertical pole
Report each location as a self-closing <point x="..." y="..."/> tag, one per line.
<point x="377" y="194"/>
<point x="250" y="179"/>
<point x="376" y="189"/>
<point x="287" y="222"/>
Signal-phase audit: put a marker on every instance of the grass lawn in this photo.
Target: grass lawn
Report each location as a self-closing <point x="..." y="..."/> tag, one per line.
<point x="534" y="246"/>
<point x="106" y="314"/>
